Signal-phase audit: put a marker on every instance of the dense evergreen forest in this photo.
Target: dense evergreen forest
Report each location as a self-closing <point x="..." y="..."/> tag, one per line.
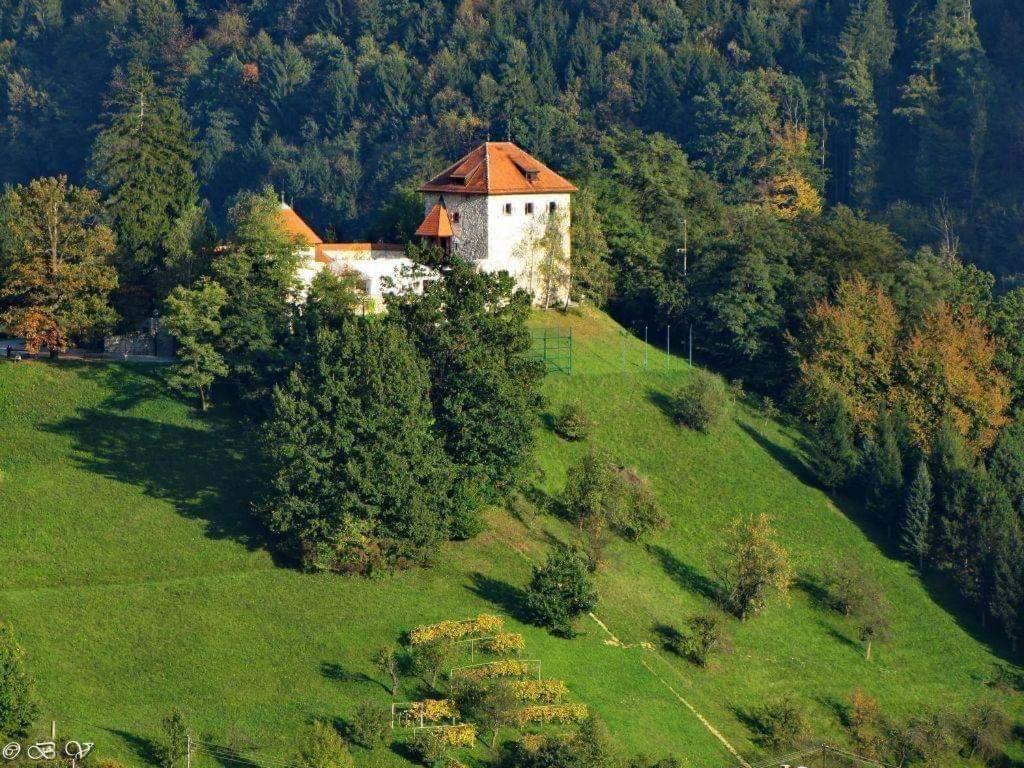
<point x="891" y="106"/>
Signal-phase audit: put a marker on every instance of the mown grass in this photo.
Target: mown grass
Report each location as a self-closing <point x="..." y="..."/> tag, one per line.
<point x="135" y="578"/>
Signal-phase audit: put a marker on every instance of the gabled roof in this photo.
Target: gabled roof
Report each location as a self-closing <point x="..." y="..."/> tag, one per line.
<point x="293" y="224"/>
<point x="498" y="168"/>
<point x="436" y="224"/>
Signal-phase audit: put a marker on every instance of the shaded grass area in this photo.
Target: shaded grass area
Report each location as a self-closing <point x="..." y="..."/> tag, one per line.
<point x="136" y="579"/>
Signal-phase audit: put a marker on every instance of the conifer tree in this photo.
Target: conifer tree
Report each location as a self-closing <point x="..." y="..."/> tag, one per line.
<point x="917" y="515"/>
<point x="358" y="480"/>
<point x="834" y="454"/>
<point x="143" y="161"/>
<point x="884" y="468"/>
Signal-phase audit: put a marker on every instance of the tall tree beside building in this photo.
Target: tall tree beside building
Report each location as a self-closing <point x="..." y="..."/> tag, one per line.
<point x="257" y="268"/>
<point x="192" y="315"/>
<point x="56" y="272"/>
<point x="471" y="328"/>
<point x="358" y="479"/>
<point x="143" y="161"/>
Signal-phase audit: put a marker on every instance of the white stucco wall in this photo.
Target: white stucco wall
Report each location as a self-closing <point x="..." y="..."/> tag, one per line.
<point x="498" y="241"/>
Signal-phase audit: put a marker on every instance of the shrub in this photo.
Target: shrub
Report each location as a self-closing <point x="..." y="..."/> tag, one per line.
<point x="173" y="750"/>
<point x="320" y="746"/>
<point x="780" y="724"/>
<point x="705" y="635"/>
<point x="573" y="423"/>
<point x="18" y="704"/>
<point x="636" y="511"/>
<point x="849" y="588"/>
<point x="701" y="402"/>
<point x="754" y="566"/>
<point x="560" y="590"/>
<point x="370" y="725"/>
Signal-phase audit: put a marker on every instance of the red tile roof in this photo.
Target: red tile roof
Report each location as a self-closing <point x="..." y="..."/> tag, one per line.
<point x="498" y="168"/>
<point x="436" y="224"/>
<point x="293" y="224"/>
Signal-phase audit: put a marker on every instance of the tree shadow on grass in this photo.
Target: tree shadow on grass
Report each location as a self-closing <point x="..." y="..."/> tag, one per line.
<point x="661" y="401"/>
<point x="229" y="757"/>
<point x="334" y="671"/>
<point x="510" y="598"/>
<point x="205" y="473"/>
<point x="126" y="384"/>
<point x="790" y="459"/>
<point x="840" y="637"/>
<point x="685" y="575"/>
<point x="670" y="637"/>
<point x="145" y="748"/>
<point x="816" y="591"/>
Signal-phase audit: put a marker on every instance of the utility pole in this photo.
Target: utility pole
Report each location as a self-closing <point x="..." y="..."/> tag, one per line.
<point x="684" y="251"/>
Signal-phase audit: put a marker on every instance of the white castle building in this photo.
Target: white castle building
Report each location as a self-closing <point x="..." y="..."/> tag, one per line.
<point x="498" y="208"/>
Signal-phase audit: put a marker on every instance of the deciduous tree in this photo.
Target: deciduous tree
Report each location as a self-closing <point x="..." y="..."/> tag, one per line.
<point x="56" y="275"/>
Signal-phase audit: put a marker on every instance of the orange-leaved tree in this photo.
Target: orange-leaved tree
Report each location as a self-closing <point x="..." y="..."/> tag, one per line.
<point x="56" y="274"/>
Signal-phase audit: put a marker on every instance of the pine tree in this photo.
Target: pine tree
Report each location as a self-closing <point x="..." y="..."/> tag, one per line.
<point x="884" y="468"/>
<point x="257" y="268"/>
<point x="143" y="161"/>
<point x="917" y="515"/>
<point x="471" y="329"/>
<point x="358" y="480"/>
<point x="834" y="454"/>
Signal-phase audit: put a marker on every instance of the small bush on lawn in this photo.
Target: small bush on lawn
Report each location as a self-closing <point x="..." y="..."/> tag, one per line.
<point x="370" y="725"/>
<point x="573" y="423"/>
<point x="780" y="724"/>
<point x="701" y="402"/>
<point x="320" y="746"/>
<point x="705" y="636"/>
<point x="561" y="589"/>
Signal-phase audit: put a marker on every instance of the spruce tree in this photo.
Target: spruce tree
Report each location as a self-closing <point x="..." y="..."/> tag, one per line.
<point x="884" y="468"/>
<point x="834" y="454"/>
<point x="143" y="161"/>
<point x="358" y="479"/>
<point x="917" y="515"/>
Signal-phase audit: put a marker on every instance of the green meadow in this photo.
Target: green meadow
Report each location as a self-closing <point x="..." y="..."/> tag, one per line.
<point x="135" y="578"/>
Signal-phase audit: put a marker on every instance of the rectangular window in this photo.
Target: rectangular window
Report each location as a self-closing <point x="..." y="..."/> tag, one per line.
<point x="455" y="217"/>
<point x="552" y="206"/>
<point x="508" y="209"/>
<point x="529" y="208"/>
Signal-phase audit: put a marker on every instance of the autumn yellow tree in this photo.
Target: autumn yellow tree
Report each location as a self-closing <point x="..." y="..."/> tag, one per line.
<point x="948" y="370"/>
<point x="849" y="345"/>
<point x="942" y="367"/>
<point x="56" y="274"/>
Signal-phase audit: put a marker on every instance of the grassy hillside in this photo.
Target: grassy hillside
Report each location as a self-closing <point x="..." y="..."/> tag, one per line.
<point x="132" y="575"/>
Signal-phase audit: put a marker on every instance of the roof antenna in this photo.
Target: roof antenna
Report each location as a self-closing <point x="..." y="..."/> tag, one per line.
<point x="508" y="132"/>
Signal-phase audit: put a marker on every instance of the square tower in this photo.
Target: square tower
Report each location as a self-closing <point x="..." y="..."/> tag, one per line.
<point x="502" y="210"/>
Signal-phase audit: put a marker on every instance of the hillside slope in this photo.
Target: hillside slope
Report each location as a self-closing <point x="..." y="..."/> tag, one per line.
<point x="131" y="573"/>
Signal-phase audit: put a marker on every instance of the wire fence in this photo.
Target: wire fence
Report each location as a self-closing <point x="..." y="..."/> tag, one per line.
<point x="566" y="350"/>
<point x="822" y="756"/>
